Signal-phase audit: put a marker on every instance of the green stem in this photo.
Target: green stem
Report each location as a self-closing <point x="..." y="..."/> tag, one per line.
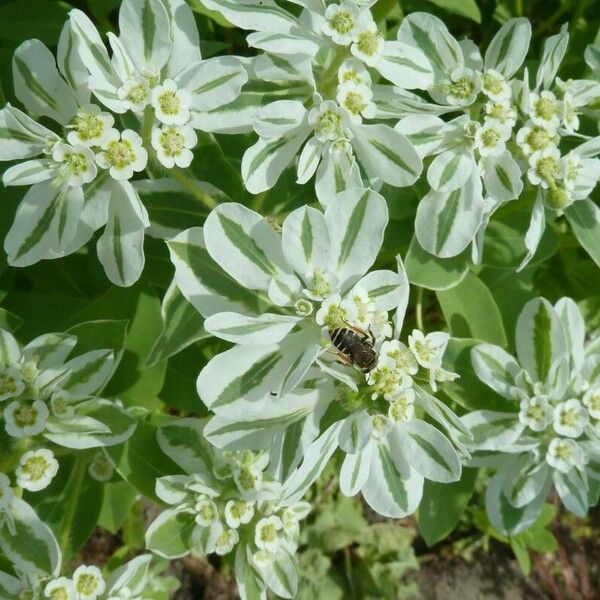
<point x="519" y="8"/>
<point x="147" y="125"/>
<point x="72" y="501"/>
<point x="191" y="186"/>
<point x="419" y="309"/>
<point x="580" y="6"/>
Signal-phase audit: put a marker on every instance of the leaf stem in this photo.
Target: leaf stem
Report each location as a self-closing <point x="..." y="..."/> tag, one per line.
<point x="75" y="492"/>
<point x="192" y="187"/>
<point x="147" y="123"/>
<point x="419" y="309"/>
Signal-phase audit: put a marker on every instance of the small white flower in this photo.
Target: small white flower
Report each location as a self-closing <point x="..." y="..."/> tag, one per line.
<point x="340" y="22"/>
<point x="387" y="380"/>
<point x="61" y="404"/>
<point x="463" y="88"/>
<point x="266" y="533"/>
<point x="23" y="419"/>
<point x="36" y="469"/>
<point x="357" y="99"/>
<point x="11" y="383"/>
<point x="535" y="413"/>
<point x="102" y="467"/>
<point x="501" y="111"/>
<point x="495" y="86"/>
<point x="440" y="375"/>
<point x="6" y="492"/>
<point x="75" y="165"/>
<point x="580" y="174"/>
<point x="90" y="127"/>
<point x="303" y="308"/>
<point x="88" y="582"/>
<point x="171" y="105"/>
<point x="368" y="44"/>
<point x="329" y="121"/>
<point x="135" y="93"/>
<point x="353" y="70"/>
<point x="335" y="312"/>
<point x="380" y="325"/>
<point x="545" y="166"/>
<point x="563" y="454"/>
<point x="226" y="541"/>
<point x="490" y="138"/>
<point x="365" y="308"/>
<point x="319" y="285"/>
<point x="238" y="512"/>
<point x="60" y="589"/>
<point x="123" y="154"/>
<point x="591" y="399"/>
<point x="207" y="512"/>
<point x="263" y="559"/>
<point x="247" y="478"/>
<point x="173" y="145"/>
<point x="533" y="138"/>
<point x="402" y="407"/>
<point x="570" y="418"/>
<point x="402" y="356"/>
<point x="570" y="114"/>
<point x="429" y="349"/>
<point x="545" y="110"/>
<point x="381" y="425"/>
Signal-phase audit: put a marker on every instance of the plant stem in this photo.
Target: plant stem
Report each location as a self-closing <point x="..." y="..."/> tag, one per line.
<point x="192" y="187"/>
<point x="75" y="492"/>
<point x="147" y="123"/>
<point x="519" y="8"/>
<point x="419" y="309"/>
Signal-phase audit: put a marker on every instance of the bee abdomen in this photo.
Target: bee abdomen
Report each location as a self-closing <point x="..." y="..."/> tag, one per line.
<point x="344" y="339"/>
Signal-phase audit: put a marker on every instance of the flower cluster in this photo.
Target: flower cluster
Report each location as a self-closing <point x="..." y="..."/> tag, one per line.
<point x="550" y="432"/>
<point x="80" y="180"/>
<point x="230" y="502"/>
<point x="43" y="391"/>
<point x="314" y="328"/>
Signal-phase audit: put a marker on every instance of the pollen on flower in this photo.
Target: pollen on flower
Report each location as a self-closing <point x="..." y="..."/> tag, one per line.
<point x="35" y="467"/>
<point x="268" y="533"/>
<point x="368" y="42"/>
<point x="462" y="89"/>
<point x="25" y="416"/>
<point x="88" y="125"/>
<point x="86" y="584"/>
<point x="169" y="103"/>
<point x="354" y="102"/>
<point x="247" y="479"/>
<point x="492" y="84"/>
<point x="547" y="168"/>
<point x="490" y="137"/>
<point x="335" y="316"/>
<point x="342" y="22"/>
<point x="137" y="94"/>
<point x="539" y="138"/>
<point x="120" y="154"/>
<point x="545" y="108"/>
<point x="172" y="141"/>
<point x="329" y="123"/>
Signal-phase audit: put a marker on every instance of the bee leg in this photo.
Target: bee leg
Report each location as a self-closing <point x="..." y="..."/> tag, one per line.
<point x="372" y="336"/>
<point x="342" y="358"/>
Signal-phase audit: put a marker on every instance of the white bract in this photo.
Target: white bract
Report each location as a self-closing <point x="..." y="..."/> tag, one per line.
<point x="549" y="433"/>
<point x="47" y="391"/>
<point x="227" y="501"/>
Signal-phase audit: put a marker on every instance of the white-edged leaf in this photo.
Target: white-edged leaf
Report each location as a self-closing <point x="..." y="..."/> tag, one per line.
<point x="540" y="339"/>
<point x="554" y="51"/>
<point x="10" y="587"/>
<point x="244" y="245"/>
<point x="121" y="246"/>
<point x="405" y="66"/>
<point x="356" y="221"/>
<point x="355" y="471"/>
<point x="89" y="372"/>
<point x="183" y="441"/>
<point x="572" y="487"/>
<point x="429" y="34"/>
<point x="21" y="136"/>
<point x="496" y="368"/>
<point x="336" y="173"/>
<point x="132" y="575"/>
<point x="525" y="479"/>
<point x="266" y="160"/>
<point x="450" y="170"/>
<point x="446" y="223"/>
<point x="185" y="48"/>
<point x="502" y="177"/>
<point x="492" y="430"/>
<point x="38" y="84"/>
<point x="534" y="233"/>
<point x="393" y="488"/>
<point x="204" y="283"/>
<point x="427" y="133"/>
<point x="250" y="331"/>
<point x="28" y="173"/>
<point x="355" y="432"/>
<point x="386" y="154"/>
<point x="10" y="352"/>
<point x="584" y="218"/>
<point x="170" y="534"/>
<point x="509" y="47"/>
<point x="282" y="574"/>
<point x="146" y="33"/>
<point x="574" y="327"/>
<point x="213" y="82"/>
<point x="45" y="224"/>
<point x="31" y="547"/>
<point x="386" y="288"/>
<point x="429" y="451"/>
<point x="71" y="66"/>
<point x="316" y="457"/>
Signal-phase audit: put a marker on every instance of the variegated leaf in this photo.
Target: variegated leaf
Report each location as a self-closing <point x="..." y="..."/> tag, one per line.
<point x="509" y="47"/>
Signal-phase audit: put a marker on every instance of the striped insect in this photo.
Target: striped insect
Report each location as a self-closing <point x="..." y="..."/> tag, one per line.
<point x="355" y="347"/>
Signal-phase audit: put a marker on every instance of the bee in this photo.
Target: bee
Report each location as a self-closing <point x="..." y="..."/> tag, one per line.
<point x="355" y="347"/>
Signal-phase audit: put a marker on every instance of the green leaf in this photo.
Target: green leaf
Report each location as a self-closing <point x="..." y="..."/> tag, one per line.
<point x="140" y="461"/>
<point x="26" y="19"/>
<point x="464" y="8"/>
<point x="119" y="497"/>
<point x="471" y="312"/>
<point x="429" y="271"/>
<point x="584" y="218"/>
<point x="522" y="555"/>
<point x="442" y="506"/>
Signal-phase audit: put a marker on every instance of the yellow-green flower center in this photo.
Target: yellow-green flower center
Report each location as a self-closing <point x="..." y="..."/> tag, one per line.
<point x="539" y="138"/>
<point x="35" y="467"/>
<point x="563" y="451"/>
<point x="86" y="584"/>
<point x="75" y="163"/>
<point x="368" y="42"/>
<point x="492" y="84"/>
<point x="25" y="416"/>
<point x="342" y="22"/>
<point x="120" y="154"/>
<point x="569" y="417"/>
<point x="59" y="594"/>
<point x="137" y="94"/>
<point x="268" y="533"/>
<point x="329" y="122"/>
<point x="355" y="103"/>
<point x="336" y="316"/>
<point x="545" y="108"/>
<point x="462" y="89"/>
<point x="172" y="141"/>
<point x="169" y="103"/>
<point x="247" y="479"/>
<point x="547" y="168"/>
<point x="88" y="125"/>
<point x="490" y="138"/>
<point x="8" y="384"/>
